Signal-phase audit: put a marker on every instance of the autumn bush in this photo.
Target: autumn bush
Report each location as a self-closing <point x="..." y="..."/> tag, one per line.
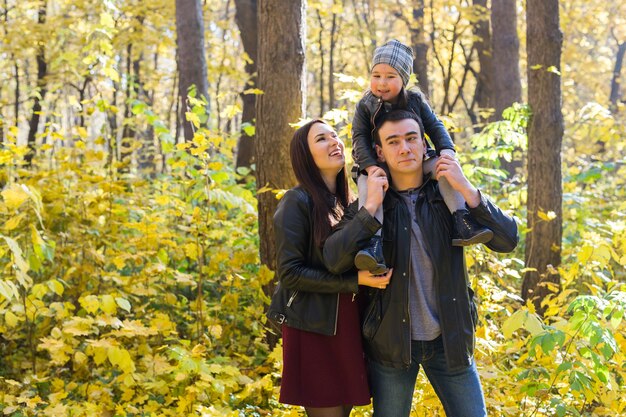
<point x="126" y="294"/>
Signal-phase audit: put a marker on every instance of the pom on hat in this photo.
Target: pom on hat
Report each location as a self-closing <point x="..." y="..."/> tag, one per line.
<point x="396" y="55"/>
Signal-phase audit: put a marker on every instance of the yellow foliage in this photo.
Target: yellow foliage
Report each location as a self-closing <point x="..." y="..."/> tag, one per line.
<point x="120" y="357"/>
<point x="14" y="196"/>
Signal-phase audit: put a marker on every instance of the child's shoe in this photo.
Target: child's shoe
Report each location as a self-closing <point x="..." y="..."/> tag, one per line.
<point x="371" y="257"/>
<point x="468" y="232"/>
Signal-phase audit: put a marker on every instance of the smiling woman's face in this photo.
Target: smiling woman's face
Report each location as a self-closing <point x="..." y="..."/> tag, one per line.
<point x="326" y="148"/>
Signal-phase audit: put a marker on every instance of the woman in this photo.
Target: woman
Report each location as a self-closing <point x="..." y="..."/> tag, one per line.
<point x="323" y="365"/>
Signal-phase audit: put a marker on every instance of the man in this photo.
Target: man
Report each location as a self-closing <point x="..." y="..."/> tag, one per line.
<point x="426" y="314"/>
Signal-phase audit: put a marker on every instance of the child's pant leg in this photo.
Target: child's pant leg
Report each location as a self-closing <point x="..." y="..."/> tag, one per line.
<point x="453" y="199"/>
<point x="361" y="185"/>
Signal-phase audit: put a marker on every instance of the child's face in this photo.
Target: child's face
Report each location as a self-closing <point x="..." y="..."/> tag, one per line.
<point x="385" y="82"/>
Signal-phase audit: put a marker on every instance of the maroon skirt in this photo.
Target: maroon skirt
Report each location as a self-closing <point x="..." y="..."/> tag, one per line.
<point x="326" y="371"/>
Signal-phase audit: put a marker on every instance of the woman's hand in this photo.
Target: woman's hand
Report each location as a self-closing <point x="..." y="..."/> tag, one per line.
<point x="377" y="185"/>
<point x="375" y="281"/>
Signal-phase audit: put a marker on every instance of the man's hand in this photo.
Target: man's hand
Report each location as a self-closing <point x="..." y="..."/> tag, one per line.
<point x="377" y="185"/>
<point x="449" y="168"/>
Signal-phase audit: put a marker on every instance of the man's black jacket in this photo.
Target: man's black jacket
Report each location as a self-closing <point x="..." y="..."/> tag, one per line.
<point x="387" y="339"/>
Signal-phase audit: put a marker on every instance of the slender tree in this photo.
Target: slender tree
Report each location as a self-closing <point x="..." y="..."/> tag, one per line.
<point x="505" y="42"/>
<point x="192" y="64"/>
<point x="281" y="77"/>
<point x="415" y="25"/>
<point x="615" y="93"/>
<point x="420" y="47"/>
<point x="42" y="72"/>
<point x="545" y="134"/>
<point x="507" y="82"/>
<point x="484" y="81"/>
<point x="246" y="18"/>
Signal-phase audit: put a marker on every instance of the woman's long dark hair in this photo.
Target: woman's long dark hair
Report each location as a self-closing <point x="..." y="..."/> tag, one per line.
<point x="327" y="207"/>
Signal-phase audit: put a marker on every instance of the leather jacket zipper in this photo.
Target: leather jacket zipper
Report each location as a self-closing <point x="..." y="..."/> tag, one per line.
<point x="336" y="315"/>
<point x="408" y="294"/>
<point x="293" y="296"/>
<point x="373" y="120"/>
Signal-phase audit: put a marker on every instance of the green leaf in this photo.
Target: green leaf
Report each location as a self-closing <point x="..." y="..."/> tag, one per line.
<point x="123" y="303"/>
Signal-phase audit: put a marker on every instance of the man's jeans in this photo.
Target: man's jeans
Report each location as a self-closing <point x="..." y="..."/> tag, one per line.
<point x="460" y="392"/>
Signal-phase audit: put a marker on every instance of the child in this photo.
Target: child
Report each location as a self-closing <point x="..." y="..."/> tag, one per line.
<point x="391" y="67"/>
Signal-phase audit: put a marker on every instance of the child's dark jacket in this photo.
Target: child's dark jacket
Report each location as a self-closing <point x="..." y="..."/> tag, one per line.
<point x="367" y="114"/>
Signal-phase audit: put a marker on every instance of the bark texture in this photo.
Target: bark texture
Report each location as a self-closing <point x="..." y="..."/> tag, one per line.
<point x="545" y="135"/>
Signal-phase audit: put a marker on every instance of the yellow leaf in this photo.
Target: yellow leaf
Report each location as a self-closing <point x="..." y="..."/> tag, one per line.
<point x="162" y="200"/>
<point x="82" y="132"/>
<point x="8" y="290"/>
<point x="254" y="91"/>
<point x="56" y="286"/>
<point x="521" y="319"/>
<point x="106" y="20"/>
<point x="119" y="262"/>
<point x="121" y="358"/>
<point x="80" y="358"/>
<point x="39" y="291"/>
<point x="108" y="304"/>
<point x="14" y="222"/>
<point x="179" y="164"/>
<point x="216" y="166"/>
<point x="553" y="70"/>
<point x="585" y="253"/>
<point x="279" y="194"/>
<point x="193" y="118"/>
<point x="90" y="303"/>
<point x="14" y="196"/>
<point x="11" y="319"/>
<point x="191" y="250"/>
<point x="549" y="216"/>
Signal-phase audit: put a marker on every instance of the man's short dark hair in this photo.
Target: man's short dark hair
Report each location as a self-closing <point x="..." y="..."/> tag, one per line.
<point x="395" y="116"/>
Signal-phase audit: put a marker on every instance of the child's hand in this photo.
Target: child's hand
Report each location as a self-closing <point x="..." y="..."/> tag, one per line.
<point x="377" y="185"/>
<point x="371" y="169"/>
<point x="374" y="281"/>
<point x="449" y="168"/>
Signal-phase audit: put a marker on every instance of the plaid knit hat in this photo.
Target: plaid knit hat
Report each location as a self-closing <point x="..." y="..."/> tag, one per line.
<point x="396" y="55"/>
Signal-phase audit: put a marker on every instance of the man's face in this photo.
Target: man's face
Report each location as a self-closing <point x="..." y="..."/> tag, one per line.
<point x="402" y="148"/>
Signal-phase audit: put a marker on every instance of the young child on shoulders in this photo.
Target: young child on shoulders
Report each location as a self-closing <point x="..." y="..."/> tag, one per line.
<point x="390" y="71"/>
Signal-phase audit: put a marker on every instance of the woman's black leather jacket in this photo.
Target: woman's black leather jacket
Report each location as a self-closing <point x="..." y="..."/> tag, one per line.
<point x="307" y="295"/>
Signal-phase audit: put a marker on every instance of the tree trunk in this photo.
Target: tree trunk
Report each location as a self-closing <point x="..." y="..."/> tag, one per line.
<point x="246" y="18"/>
<point x="507" y="80"/>
<point x="128" y="131"/>
<point x="320" y="45"/>
<point x="147" y="153"/>
<point x="42" y="70"/>
<point x="545" y="134"/>
<point x="191" y="59"/>
<point x="484" y="82"/>
<point x="281" y="40"/>
<point x="617" y="70"/>
<point x="331" y="63"/>
<point x="420" y="47"/>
